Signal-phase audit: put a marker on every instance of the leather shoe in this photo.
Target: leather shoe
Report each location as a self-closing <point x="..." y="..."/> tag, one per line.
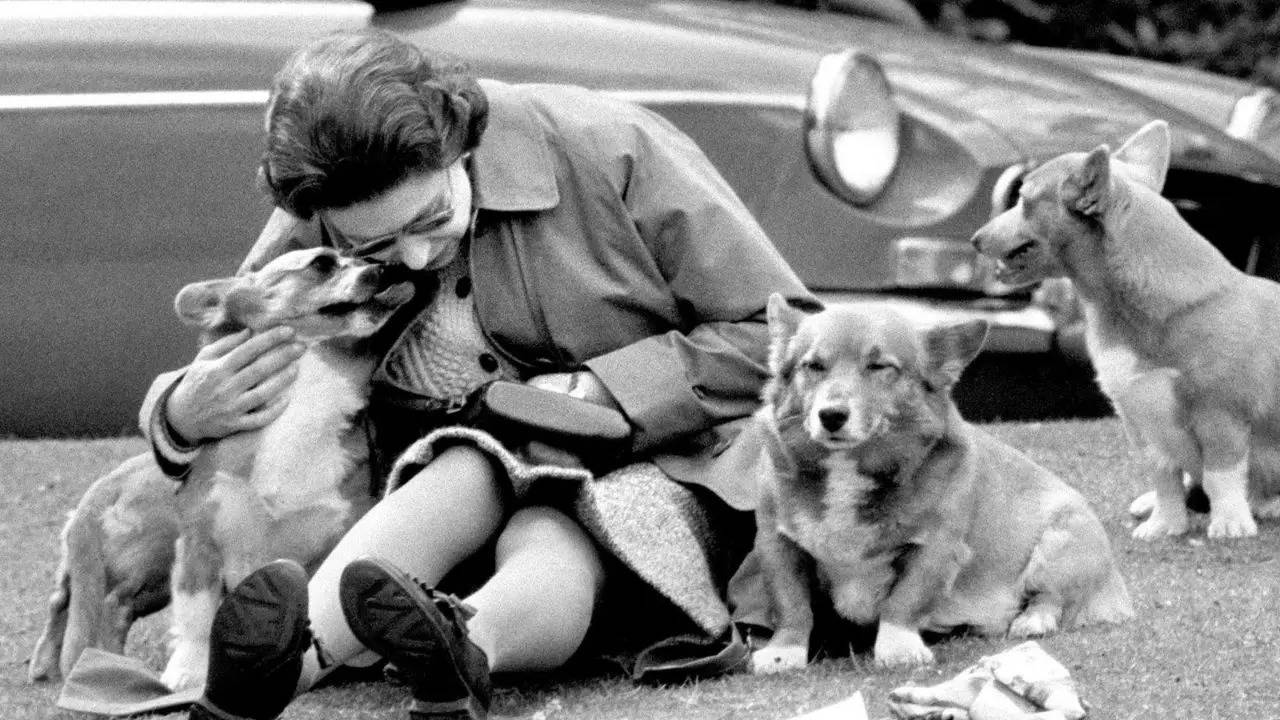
<point x="423" y="633"/>
<point x="260" y="633"/>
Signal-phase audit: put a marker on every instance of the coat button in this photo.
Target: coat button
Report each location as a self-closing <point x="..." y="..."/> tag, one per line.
<point x="463" y="288"/>
<point x="488" y="362"/>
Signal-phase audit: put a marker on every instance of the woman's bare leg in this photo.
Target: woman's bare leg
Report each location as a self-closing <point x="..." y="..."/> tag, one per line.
<point x="443" y="515"/>
<point x="533" y="613"/>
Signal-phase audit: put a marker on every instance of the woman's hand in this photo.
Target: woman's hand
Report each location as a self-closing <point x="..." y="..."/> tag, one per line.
<point x="583" y="385"/>
<point x="235" y="384"/>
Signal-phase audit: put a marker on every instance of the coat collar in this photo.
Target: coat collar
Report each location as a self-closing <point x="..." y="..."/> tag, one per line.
<point x="512" y="168"/>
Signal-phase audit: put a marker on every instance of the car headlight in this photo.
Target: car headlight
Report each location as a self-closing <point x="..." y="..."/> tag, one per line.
<point x="1256" y="117"/>
<point x="852" y="126"/>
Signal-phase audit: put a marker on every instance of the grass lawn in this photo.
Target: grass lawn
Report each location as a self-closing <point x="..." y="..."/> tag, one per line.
<point x="1205" y="643"/>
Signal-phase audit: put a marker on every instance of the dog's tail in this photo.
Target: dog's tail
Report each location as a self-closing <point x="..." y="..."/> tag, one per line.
<point x="86" y="583"/>
<point x="43" y="664"/>
<point x="76" y="604"/>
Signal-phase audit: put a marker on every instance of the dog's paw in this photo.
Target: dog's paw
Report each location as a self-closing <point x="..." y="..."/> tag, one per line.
<point x="1158" y="526"/>
<point x="1143" y="505"/>
<point x="186" y="668"/>
<point x="784" y="658"/>
<point x="1225" y="525"/>
<point x="1035" y="621"/>
<point x="904" y="657"/>
<point x="898" y="647"/>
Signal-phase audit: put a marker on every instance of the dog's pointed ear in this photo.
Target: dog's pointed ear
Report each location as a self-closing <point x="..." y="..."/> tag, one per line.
<point x="950" y="348"/>
<point x="1145" y="154"/>
<point x="204" y="304"/>
<point x="784" y="316"/>
<point x="1085" y="189"/>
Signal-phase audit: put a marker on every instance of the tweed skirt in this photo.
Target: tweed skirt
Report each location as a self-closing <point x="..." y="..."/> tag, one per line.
<point x="666" y="533"/>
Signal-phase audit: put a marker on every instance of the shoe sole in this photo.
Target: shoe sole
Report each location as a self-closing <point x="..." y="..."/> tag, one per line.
<point x="383" y="607"/>
<point x="251" y="620"/>
<point x="259" y="627"/>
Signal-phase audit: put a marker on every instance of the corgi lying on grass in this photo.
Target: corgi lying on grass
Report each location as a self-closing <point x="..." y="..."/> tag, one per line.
<point x="909" y="517"/>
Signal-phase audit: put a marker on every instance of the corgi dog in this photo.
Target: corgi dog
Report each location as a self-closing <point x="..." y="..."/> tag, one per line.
<point x="1186" y="346"/>
<point x="910" y="518"/>
<point x="288" y="490"/>
<point x="293" y="488"/>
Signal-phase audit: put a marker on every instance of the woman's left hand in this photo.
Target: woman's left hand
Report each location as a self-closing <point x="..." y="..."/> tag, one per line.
<point x="583" y="385"/>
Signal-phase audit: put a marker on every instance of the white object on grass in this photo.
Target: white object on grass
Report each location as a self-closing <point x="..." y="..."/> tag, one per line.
<point x="851" y="708"/>
<point x="770" y="660"/>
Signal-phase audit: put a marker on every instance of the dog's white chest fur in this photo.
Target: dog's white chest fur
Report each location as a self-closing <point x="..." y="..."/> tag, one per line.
<point x="840" y="542"/>
<point x="301" y="457"/>
<point x="1115" y="363"/>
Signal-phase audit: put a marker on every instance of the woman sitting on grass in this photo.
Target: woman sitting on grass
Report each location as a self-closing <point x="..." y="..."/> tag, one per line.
<point x="564" y="239"/>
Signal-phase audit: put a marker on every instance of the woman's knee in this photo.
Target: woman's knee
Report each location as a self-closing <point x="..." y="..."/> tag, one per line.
<point x="540" y="526"/>
<point x="461" y="467"/>
<point x="548" y="531"/>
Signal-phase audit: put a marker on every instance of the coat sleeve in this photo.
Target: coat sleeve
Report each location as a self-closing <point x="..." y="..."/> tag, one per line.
<point x="282" y="233"/>
<point x="720" y="268"/>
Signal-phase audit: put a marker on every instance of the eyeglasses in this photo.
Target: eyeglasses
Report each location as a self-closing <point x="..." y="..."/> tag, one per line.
<point x="432" y="217"/>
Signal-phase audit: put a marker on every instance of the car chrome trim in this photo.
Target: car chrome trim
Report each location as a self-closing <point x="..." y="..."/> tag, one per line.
<point x="163" y="99"/>
<point x="205" y="98"/>
<point x="711" y="97"/>
<point x="150" y="9"/>
<point x="1252" y="113"/>
<point x="935" y="262"/>
<point x="1004" y="193"/>
<point x="1015" y="327"/>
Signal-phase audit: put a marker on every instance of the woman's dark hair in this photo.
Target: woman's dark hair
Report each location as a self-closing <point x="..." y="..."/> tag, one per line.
<point x="355" y="113"/>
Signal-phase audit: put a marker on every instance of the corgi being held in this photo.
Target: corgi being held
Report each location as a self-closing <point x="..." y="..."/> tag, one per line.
<point x="908" y="516"/>
<point x="288" y="490"/>
<point x="1184" y="344"/>
<point x="291" y="489"/>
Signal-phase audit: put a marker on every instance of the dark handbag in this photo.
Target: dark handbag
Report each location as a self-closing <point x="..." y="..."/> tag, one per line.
<point x="517" y="414"/>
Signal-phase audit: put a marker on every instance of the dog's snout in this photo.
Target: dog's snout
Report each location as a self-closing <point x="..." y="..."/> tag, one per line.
<point x="978" y="238"/>
<point x="833" y="419"/>
<point x="386" y="275"/>
<point x="374" y="276"/>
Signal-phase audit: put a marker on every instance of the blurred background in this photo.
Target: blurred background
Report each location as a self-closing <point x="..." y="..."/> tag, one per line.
<point x="870" y="138"/>
<point x="1240" y="38"/>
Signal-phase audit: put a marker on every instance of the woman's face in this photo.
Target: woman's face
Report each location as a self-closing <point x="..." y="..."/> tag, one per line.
<point x="418" y="223"/>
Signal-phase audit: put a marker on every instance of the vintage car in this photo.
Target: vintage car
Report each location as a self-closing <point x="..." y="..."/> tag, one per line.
<point x="868" y="149"/>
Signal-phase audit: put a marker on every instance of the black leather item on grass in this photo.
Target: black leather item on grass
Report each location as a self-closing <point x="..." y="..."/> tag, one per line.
<point x="676" y="660"/>
<point x="259" y="635"/>
<point x="423" y="633"/>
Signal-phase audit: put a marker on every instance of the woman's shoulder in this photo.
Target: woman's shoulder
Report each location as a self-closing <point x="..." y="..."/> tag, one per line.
<point x="572" y="113"/>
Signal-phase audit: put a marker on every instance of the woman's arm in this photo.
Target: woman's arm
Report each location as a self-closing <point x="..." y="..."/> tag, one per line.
<point x="233" y="384"/>
<point x="282" y="233"/>
<point x="721" y="268"/>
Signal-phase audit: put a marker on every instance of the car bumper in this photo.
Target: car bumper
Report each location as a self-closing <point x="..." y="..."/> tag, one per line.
<point x="1016" y="327"/>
